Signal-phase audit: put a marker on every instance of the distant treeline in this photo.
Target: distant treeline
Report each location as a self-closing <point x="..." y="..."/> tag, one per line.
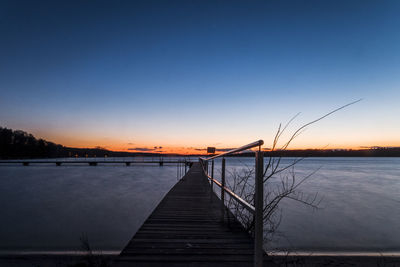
<point x="21" y="145"/>
<point x="300" y="153"/>
<point x="376" y="152"/>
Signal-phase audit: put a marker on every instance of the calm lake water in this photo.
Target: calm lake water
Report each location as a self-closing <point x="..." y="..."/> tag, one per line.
<point x="48" y="208"/>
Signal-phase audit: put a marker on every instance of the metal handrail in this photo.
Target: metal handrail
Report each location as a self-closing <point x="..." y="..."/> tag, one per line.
<point x="248" y="146"/>
<point x="244" y="203"/>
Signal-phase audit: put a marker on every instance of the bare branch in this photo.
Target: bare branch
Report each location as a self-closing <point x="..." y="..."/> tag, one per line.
<point x="275" y="191"/>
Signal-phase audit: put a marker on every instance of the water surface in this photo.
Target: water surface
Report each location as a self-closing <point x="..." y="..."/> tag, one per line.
<point x="48" y="208"/>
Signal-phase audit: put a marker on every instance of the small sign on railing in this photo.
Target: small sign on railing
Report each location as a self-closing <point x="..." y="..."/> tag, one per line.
<point x="211" y="150"/>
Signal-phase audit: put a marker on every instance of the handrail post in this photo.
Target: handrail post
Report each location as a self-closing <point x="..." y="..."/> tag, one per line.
<point x="212" y="175"/>
<point x="212" y="180"/>
<point x="259" y="205"/>
<point x="223" y="190"/>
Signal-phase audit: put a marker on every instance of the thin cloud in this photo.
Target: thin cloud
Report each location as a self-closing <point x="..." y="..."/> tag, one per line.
<point x="142" y="149"/>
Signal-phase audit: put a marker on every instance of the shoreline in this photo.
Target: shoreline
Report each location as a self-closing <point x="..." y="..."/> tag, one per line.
<point x="300" y="253"/>
<point x="75" y="260"/>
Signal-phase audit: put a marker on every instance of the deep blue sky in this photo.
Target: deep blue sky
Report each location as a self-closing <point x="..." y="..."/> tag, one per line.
<point x="110" y="73"/>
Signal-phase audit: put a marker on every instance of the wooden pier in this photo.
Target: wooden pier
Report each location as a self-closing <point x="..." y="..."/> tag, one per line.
<point x="186" y="230"/>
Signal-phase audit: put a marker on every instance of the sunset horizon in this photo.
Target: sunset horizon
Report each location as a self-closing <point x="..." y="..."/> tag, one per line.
<point x="199" y="133"/>
<point x="202" y="149"/>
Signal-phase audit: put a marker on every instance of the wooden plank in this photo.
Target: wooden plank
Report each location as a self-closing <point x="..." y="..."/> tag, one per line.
<point x="185" y="230"/>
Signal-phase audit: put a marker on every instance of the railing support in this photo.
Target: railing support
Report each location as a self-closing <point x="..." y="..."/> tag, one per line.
<point x="259" y="205"/>
<point x="212" y="182"/>
<point x="212" y="175"/>
<point x="223" y="190"/>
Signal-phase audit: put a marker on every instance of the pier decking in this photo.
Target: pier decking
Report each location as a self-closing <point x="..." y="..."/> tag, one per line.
<point x="186" y="230"/>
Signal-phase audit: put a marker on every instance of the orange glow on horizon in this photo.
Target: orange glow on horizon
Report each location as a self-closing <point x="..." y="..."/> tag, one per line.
<point x="114" y="144"/>
<point x="203" y="151"/>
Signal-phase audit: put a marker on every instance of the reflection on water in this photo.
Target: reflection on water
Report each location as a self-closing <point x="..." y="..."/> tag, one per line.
<point x="48" y="208"/>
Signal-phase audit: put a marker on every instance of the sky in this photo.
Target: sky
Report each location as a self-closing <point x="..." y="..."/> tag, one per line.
<point x="184" y="75"/>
